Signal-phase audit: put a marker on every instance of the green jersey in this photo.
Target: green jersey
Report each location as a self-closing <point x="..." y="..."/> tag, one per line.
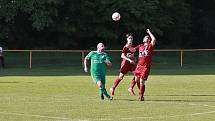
<point x="98" y="65"/>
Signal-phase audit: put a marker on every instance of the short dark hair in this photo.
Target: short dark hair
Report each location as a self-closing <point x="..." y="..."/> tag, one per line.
<point x="129" y="34"/>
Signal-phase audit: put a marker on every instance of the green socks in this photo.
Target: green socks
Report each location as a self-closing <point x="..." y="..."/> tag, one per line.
<point x="102" y="90"/>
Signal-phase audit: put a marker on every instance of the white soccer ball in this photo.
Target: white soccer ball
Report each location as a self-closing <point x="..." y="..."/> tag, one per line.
<point x="116" y="16"/>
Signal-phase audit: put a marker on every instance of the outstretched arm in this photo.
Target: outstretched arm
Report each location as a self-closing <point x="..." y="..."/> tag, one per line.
<point x="151" y="36"/>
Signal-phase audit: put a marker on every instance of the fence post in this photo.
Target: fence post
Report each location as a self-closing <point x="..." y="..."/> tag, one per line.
<point x="181" y="58"/>
<point x="30" y="59"/>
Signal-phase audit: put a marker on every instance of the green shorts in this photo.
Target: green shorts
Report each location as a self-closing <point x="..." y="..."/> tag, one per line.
<point x="97" y="78"/>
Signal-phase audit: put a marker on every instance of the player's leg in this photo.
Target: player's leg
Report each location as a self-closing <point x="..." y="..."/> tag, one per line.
<point x="138" y="83"/>
<point x="143" y="78"/>
<point x="131" y="88"/>
<point x="133" y="82"/>
<point x="97" y="80"/>
<point x="142" y="89"/>
<point x="105" y="91"/>
<point x="116" y="83"/>
<point x="106" y="94"/>
<point x="101" y="89"/>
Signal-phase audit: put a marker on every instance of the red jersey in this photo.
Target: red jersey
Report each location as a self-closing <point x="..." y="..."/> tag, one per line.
<point x="128" y="54"/>
<point x="145" y="54"/>
<point x="126" y="66"/>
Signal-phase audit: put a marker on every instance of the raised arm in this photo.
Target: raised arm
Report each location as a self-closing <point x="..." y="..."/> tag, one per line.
<point x="153" y="40"/>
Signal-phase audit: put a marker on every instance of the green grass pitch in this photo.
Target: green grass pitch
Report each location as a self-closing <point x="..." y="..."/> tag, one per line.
<point x="32" y="96"/>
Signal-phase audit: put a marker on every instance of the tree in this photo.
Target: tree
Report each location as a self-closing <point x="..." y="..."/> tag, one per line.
<point x="80" y="24"/>
<point x="203" y="26"/>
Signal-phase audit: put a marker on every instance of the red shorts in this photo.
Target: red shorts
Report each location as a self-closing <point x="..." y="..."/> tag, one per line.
<point x="142" y="72"/>
<point x="126" y="67"/>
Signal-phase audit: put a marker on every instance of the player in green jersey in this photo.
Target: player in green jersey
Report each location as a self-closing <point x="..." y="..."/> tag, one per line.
<point x="99" y="60"/>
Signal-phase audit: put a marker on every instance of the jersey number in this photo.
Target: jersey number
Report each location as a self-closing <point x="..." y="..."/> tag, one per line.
<point x="129" y="55"/>
<point x="145" y="52"/>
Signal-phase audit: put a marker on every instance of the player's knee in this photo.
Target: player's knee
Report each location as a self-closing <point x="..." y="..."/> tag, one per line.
<point x="121" y="76"/>
<point x="99" y="83"/>
<point x="137" y="79"/>
<point x="142" y="82"/>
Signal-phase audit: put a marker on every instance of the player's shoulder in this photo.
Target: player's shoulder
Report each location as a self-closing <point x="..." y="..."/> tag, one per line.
<point x="92" y="52"/>
<point x="125" y="48"/>
<point x="104" y="53"/>
<point x="140" y="45"/>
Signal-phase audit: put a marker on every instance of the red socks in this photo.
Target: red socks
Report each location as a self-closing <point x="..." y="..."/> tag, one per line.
<point x="133" y="83"/>
<point x="142" y="90"/>
<point x="138" y="84"/>
<point x="116" y="82"/>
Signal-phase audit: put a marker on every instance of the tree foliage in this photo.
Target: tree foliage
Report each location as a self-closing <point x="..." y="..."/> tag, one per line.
<point x="80" y="24"/>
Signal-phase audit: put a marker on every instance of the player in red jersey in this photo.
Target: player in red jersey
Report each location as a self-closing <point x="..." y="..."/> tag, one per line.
<point x="127" y="64"/>
<point x="144" y="61"/>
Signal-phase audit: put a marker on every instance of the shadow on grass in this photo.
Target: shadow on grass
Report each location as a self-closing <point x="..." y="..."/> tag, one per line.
<point x="147" y="98"/>
<point x="181" y="100"/>
<point x="201" y="98"/>
<point x="203" y="95"/>
<point x="78" y="71"/>
<point x="166" y="100"/>
<point x="1" y="82"/>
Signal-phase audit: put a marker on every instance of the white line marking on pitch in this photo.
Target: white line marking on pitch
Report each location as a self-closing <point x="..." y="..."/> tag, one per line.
<point x="68" y="119"/>
<point x="160" y="117"/>
<point x="209" y="106"/>
<point x="193" y="114"/>
<point x="32" y="115"/>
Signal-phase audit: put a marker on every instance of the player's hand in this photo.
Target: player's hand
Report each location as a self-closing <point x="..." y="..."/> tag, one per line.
<point x="85" y="69"/>
<point x="131" y="61"/>
<point x="148" y="31"/>
<point x="108" y="63"/>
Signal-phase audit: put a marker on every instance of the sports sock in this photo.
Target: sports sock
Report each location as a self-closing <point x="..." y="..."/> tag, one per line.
<point x="142" y="90"/>
<point x="138" y="84"/>
<point x="102" y="90"/>
<point x="116" y="82"/>
<point x="105" y="93"/>
<point x="133" y="83"/>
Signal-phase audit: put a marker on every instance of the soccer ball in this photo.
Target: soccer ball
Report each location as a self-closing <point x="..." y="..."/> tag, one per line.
<point x="116" y="16"/>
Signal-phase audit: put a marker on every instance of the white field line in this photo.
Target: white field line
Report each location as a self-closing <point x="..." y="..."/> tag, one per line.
<point x="107" y="119"/>
<point x="38" y="116"/>
<point x="172" y="116"/>
<point x="209" y="106"/>
<point x="161" y="117"/>
<point x="193" y="114"/>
